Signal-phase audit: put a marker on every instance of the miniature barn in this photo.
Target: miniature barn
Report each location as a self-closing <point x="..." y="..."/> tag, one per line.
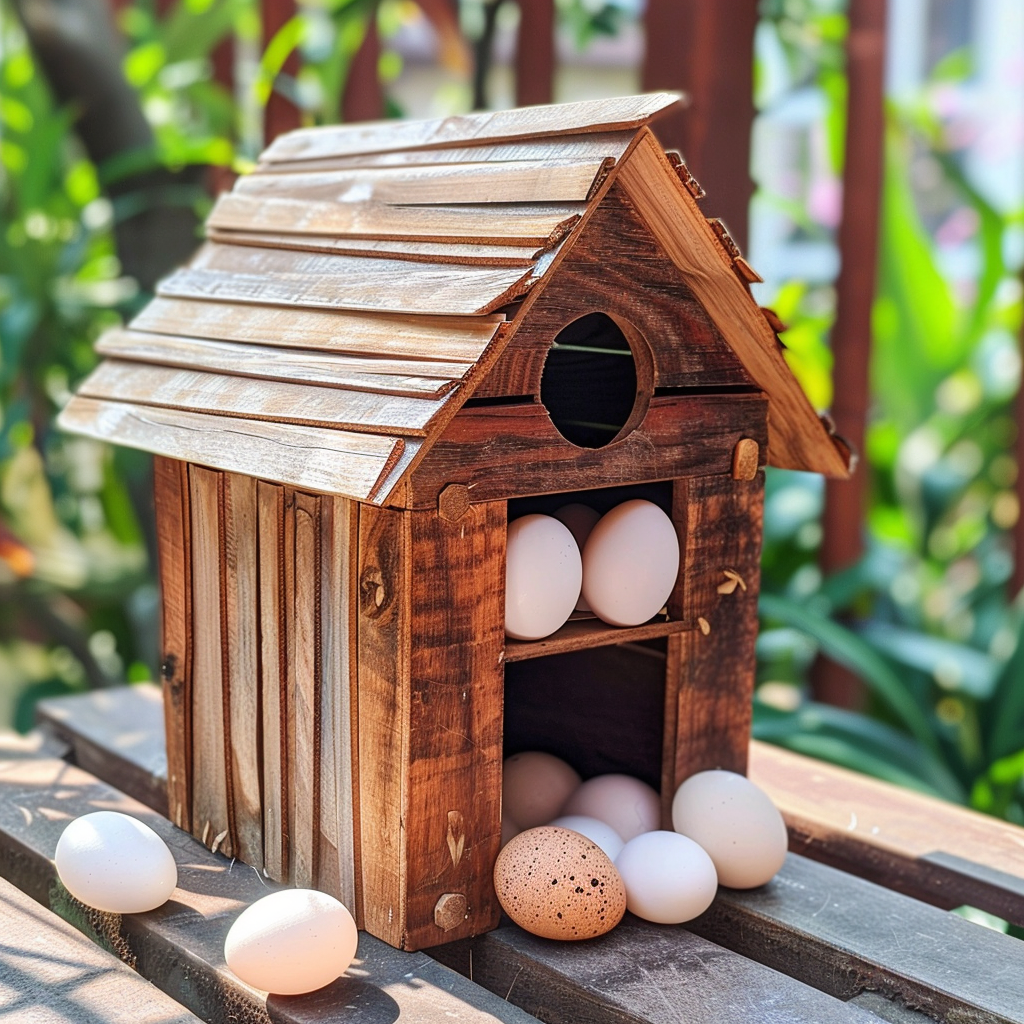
<point x="398" y="337"/>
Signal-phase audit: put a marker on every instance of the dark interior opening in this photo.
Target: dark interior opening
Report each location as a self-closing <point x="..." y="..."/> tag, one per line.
<point x="589" y="382"/>
<point x="600" y="499"/>
<point x="601" y="710"/>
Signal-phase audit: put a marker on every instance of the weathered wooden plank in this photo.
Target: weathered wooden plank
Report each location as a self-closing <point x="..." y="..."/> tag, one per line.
<point x="595" y="145"/>
<point x="52" y="974"/>
<point x="325" y="460"/>
<point x="240" y="582"/>
<point x="578" y="634"/>
<point x="522" y="224"/>
<point x="393" y="248"/>
<point x="211" y="730"/>
<point x="639" y="974"/>
<point x="412" y="377"/>
<point x="454" y="339"/>
<point x="937" y="852"/>
<point x="844" y="936"/>
<point x="171" y="500"/>
<point x="180" y="948"/>
<point x="272" y="400"/>
<point x="513" y="450"/>
<point x="516" y="181"/>
<point x="707" y="723"/>
<point x="559" y="119"/>
<point x="273" y="677"/>
<point x="797" y="438"/>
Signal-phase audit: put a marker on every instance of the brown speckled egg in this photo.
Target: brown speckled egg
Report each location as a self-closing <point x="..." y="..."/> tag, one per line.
<point x="557" y="884"/>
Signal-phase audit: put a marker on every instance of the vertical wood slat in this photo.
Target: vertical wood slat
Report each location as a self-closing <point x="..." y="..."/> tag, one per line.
<point x="171" y="498"/>
<point x="846" y="501"/>
<point x="535" y="52"/>
<point x="710" y="677"/>
<point x="273" y="677"/>
<point x="281" y="114"/>
<point x="242" y="664"/>
<point x="211" y="806"/>
<point x="707" y="50"/>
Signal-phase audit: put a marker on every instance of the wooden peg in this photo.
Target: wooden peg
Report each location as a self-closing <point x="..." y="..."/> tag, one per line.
<point x="450" y="911"/>
<point x="745" y="458"/>
<point x="453" y="502"/>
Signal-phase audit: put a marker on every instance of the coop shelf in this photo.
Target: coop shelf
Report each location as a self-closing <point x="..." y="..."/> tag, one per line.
<point x="578" y="634"/>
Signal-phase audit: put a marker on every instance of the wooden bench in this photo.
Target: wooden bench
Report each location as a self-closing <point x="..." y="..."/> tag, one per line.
<point x="821" y="943"/>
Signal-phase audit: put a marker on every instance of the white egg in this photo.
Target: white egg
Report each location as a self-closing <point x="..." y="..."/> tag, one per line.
<point x="534" y="785"/>
<point x="736" y="822"/>
<point x="580" y="519"/>
<point x="596" y="831"/>
<point x="115" y="863"/>
<point x="543" y="574"/>
<point x="292" y="941"/>
<point x="627" y="804"/>
<point x="669" y="879"/>
<point x="630" y="563"/>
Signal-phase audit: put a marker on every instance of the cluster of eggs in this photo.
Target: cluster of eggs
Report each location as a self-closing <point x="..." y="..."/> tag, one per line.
<point x="289" y="942"/>
<point x="576" y="855"/>
<point x="621" y="566"/>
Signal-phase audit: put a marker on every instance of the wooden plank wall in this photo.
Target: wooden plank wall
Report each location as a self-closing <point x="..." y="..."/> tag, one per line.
<point x="258" y="624"/>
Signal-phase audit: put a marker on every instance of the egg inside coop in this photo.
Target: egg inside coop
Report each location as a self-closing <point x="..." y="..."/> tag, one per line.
<point x="397" y="339"/>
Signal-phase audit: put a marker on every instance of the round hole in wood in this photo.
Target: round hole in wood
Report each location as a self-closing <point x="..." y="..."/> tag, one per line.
<point x="596" y="380"/>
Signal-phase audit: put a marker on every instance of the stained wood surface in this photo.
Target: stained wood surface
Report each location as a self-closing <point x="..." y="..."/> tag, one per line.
<point x="587" y="633"/>
<point x="180" y="947"/>
<point x="520" y="181"/>
<point x="271" y="400"/>
<point x="415" y="378"/>
<point x="451" y="339"/>
<point x="561" y="119"/>
<point x="797" y="438"/>
<point x="324" y="460"/>
<point x="522" y="224"/>
<point x="707" y="724"/>
<point x="52" y="974"/>
<point x="510" y="450"/>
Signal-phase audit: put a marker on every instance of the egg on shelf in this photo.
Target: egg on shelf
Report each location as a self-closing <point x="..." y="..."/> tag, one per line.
<point x="543" y="576"/>
<point x="534" y="786"/>
<point x="558" y="884"/>
<point x="669" y="879"/>
<point x="736" y="822"/>
<point x="291" y="942"/>
<point x="115" y="863"/>
<point x="580" y="519"/>
<point x="596" y="831"/>
<point x="628" y="805"/>
<point x="630" y="563"/>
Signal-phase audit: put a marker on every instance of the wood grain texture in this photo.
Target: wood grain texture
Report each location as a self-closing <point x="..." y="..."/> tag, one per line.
<point x="271" y="400"/>
<point x="503" y="451"/>
<point x="412" y="377"/>
<point x="589" y="633"/>
<point x="180" y="948"/>
<point x="211" y="798"/>
<point x="324" y="460"/>
<point x="522" y="224"/>
<point x="591" y="146"/>
<point x="430" y="679"/>
<point x="514" y="181"/>
<point x="797" y="438"/>
<point x="710" y="676"/>
<point x="50" y="973"/>
<point x="173" y="531"/>
<point x="453" y="339"/>
<point x="240" y="566"/>
<point x="616" y="266"/>
<point x="270" y="503"/>
<point x="558" y="119"/>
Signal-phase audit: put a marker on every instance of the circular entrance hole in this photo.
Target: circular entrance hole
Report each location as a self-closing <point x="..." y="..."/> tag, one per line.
<point x="589" y="382"/>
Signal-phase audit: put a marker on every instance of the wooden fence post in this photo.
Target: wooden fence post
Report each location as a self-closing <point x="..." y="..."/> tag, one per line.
<point x="281" y="114"/>
<point x="535" y="52"/>
<point x="846" y="501"/>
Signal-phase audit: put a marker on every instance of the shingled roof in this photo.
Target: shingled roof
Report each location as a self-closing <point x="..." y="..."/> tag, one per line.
<point x="347" y="299"/>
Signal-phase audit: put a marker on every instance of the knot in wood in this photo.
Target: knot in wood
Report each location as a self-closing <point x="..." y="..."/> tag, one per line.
<point x="372" y="592"/>
<point x="450" y="911"/>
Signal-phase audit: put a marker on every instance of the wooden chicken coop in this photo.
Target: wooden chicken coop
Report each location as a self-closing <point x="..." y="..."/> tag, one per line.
<point x="397" y="337"/>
